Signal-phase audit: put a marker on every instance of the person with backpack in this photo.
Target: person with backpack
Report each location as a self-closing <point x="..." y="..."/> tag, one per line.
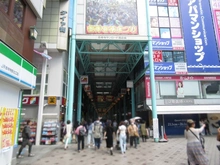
<point x="26" y="136"/>
<point x="97" y="133"/>
<point x="80" y="132"/>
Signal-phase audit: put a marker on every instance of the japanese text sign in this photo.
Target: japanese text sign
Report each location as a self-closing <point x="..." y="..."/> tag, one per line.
<point x="199" y="38"/>
<point x="157" y="56"/>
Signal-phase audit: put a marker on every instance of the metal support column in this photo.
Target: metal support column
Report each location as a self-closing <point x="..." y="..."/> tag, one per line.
<point x="71" y="71"/>
<point x="41" y="100"/>
<point x="124" y="107"/>
<point x="132" y="103"/>
<point x="79" y="104"/>
<point x="152" y="77"/>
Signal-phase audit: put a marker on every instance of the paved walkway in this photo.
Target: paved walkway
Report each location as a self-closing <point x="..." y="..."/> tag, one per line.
<point x="172" y="152"/>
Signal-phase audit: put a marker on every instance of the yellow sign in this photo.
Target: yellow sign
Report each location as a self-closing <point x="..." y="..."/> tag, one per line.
<point x="8" y="125"/>
<point x="52" y="100"/>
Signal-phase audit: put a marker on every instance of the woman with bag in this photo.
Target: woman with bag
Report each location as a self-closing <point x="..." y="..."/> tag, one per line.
<point x="68" y="131"/>
<point x="195" y="152"/>
<point x="108" y="135"/>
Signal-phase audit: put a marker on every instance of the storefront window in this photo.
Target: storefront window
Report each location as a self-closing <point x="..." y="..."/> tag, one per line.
<point x="18" y="13"/>
<point x="4" y="5"/>
<point x="210" y="89"/>
<point x="65" y="82"/>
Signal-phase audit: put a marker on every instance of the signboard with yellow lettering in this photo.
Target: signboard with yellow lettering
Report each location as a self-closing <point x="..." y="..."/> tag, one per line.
<point x="8" y="126"/>
<point x="52" y="100"/>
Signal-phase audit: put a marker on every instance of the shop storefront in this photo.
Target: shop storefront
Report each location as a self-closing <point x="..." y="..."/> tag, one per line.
<point x="16" y="74"/>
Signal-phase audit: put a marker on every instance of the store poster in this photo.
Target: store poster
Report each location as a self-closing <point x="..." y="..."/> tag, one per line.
<point x="114" y="17"/>
<point x="176" y="124"/>
<point x="199" y="36"/>
<point x="173" y="12"/>
<point x="179" y="89"/>
<point x="163" y="12"/>
<point x="164" y="32"/>
<point x="164" y="22"/>
<point x="213" y="125"/>
<point x="8" y="125"/>
<point x="172" y="2"/>
<point x="1" y="118"/>
<point x="154" y="22"/>
<point x="157" y="56"/>
<point x="155" y="33"/>
<point x="216" y="16"/>
<point x="176" y="33"/>
<point x="175" y="22"/>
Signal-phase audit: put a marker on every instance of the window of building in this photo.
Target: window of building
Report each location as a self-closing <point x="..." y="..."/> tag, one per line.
<point x="178" y="56"/>
<point x="18" y="13"/>
<point x="167" y="56"/>
<point x="4" y="4"/>
<point x="173" y="56"/>
<point x="211" y="89"/>
<point x="36" y="91"/>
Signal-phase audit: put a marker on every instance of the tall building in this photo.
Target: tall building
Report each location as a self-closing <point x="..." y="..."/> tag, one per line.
<point x="17" y="72"/>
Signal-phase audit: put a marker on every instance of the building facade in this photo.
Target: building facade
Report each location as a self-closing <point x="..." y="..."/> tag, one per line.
<point x="17" y="71"/>
<point x="186" y="56"/>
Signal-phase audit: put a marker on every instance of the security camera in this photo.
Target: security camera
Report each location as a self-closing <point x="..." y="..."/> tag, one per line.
<point x="43" y="44"/>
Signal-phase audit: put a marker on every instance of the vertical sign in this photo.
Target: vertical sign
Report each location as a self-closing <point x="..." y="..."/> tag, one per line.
<point x="157" y="56"/>
<point x="1" y="118"/>
<point x="62" y="37"/>
<point x="9" y="119"/>
<point x="172" y="2"/>
<point x="199" y="36"/>
<point x="215" y="5"/>
<point x="147" y="87"/>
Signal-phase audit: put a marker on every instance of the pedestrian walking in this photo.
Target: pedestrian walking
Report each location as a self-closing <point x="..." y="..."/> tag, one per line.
<point x="26" y="140"/>
<point x="90" y="138"/>
<point x="133" y="133"/>
<point x="143" y="131"/>
<point x="68" y="131"/>
<point x="122" y="137"/>
<point x="97" y="133"/>
<point x="195" y="152"/>
<point x="80" y="132"/>
<point x="108" y="135"/>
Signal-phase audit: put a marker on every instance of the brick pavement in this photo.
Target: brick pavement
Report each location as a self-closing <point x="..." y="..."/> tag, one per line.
<point x="148" y="153"/>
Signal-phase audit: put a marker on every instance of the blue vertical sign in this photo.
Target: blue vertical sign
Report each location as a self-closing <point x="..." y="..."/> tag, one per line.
<point x="199" y="37"/>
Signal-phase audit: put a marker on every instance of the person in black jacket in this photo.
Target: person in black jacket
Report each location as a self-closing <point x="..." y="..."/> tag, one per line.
<point x="26" y="135"/>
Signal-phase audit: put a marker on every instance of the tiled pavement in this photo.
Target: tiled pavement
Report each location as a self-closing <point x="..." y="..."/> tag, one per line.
<point x="172" y="152"/>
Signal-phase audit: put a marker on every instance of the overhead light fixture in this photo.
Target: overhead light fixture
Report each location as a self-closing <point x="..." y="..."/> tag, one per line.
<point x="33" y="33"/>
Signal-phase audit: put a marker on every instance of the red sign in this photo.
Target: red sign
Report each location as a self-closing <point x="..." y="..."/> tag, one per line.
<point x="204" y="78"/>
<point x="30" y="100"/>
<point x="147" y="87"/>
<point x="157" y="56"/>
<point x="172" y="2"/>
<point x="63" y="101"/>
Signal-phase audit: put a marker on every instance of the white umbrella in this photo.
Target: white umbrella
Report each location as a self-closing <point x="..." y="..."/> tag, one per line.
<point x="136" y="118"/>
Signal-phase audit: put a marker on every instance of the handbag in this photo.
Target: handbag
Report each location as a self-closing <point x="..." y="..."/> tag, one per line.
<point x="218" y="137"/>
<point x="136" y="134"/>
<point x="198" y="139"/>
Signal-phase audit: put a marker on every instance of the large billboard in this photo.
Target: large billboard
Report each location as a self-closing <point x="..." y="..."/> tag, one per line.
<point x="111" y="17"/>
<point x="199" y="37"/>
